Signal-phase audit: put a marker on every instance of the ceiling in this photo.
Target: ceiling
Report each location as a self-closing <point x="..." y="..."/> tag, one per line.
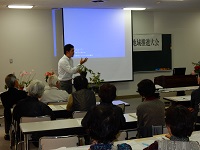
<point x="151" y="5"/>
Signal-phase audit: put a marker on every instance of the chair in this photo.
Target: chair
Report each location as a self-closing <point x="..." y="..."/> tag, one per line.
<point x="157" y="130"/>
<point x="15" y="130"/>
<point x="122" y="135"/>
<point x="53" y="142"/>
<point x="1" y="117"/>
<point x="34" y="119"/>
<point x="122" y="106"/>
<point x="150" y="131"/>
<point x="13" y="135"/>
<point x="130" y="134"/>
<point x="197" y="122"/>
<point x="78" y="114"/>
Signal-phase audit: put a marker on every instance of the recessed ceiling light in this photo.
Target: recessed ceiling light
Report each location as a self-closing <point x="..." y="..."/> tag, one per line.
<point x="98" y="1"/>
<point x="134" y="8"/>
<point x="171" y="0"/>
<point x="20" y="6"/>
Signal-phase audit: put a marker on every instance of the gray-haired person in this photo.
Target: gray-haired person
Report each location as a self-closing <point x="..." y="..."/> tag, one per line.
<point x="53" y="92"/>
<point x="31" y="106"/>
<point x="9" y="98"/>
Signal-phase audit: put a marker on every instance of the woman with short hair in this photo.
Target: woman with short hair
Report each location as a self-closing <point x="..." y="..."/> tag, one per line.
<point x="180" y="124"/>
<point x="103" y="124"/>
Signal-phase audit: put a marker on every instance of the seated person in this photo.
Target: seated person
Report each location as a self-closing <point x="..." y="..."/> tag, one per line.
<point x="103" y="125"/>
<point x="151" y="111"/>
<point x="180" y="123"/>
<point x="107" y="94"/>
<point x="83" y="98"/>
<point x="53" y="94"/>
<point x="31" y="106"/>
<point x="10" y="98"/>
<point x="195" y="101"/>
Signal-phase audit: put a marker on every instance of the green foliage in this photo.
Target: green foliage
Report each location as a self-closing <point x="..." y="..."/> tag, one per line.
<point x="95" y="77"/>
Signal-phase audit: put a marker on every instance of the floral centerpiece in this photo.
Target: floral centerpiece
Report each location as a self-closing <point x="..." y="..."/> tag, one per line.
<point x="48" y="74"/>
<point x="25" y="78"/>
<point x="196" y="67"/>
<point x="94" y="79"/>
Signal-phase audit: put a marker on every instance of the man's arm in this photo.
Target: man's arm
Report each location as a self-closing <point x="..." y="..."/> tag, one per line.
<point x="67" y="68"/>
<point x="72" y="70"/>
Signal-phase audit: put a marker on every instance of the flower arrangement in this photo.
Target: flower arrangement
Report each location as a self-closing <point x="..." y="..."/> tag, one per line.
<point x="48" y="74"/>
<point x="25" y="78"/>
<point x="95" y="80"/>
<point x="196" y="67"/>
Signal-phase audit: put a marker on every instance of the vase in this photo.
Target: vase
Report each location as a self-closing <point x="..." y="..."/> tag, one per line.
<point x="84" y="74"/>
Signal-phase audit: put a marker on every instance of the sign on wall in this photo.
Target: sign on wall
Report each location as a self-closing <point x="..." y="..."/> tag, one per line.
<point x="147" y="42"/>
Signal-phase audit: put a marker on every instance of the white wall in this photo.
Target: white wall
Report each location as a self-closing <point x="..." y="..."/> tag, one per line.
<point x="26" y="37"/>
<point x="184" y="27"/>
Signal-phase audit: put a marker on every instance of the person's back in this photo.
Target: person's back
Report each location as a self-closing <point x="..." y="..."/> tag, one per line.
<point x="195" y="101"/>
<point x="178" y="145"/>
<point x="53" y="93"/>
<point x="180" y="125"/>
<point x="31" y="107"/>
<point x="9" y="99"/>
<point x="83" y="100"/>
<point x="103" y="125"/>
<point x="12" y="96"/>
<point x="151" y="111"/>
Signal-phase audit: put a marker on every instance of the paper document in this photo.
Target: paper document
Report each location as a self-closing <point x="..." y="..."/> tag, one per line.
<point x="52" y="107"/>
<point x="79" y="121"/>
<point x="158" y="86"/>
<point x="133" y="115"/>
<point x="63" y="106"/>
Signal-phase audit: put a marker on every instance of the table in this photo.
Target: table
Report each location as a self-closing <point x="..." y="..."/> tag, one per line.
<point x="58" y="107"/>
<point x="117" y="102"/>
<point x="63" y="107"/>
<point x="61" y="127"/>
<point x="138" y="144"/>
<point x="177" y="89"/>
<point x="183" y="100"/>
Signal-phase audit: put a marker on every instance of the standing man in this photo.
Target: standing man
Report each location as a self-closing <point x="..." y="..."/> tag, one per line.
<point x="66" y="68"/>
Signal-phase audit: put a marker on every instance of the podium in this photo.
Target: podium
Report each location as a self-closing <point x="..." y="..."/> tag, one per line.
<point x="176" y="81"/>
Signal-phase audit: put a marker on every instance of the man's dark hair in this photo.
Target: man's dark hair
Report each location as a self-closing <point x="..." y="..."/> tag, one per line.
<point x="68" y="47"/>
<point x="107" y="93"/>
<point x="10" y="80"/>
<point x="103" y="124"/>
<point x="80" y="82"/>
<point x="180" y="121"/>
<point x="146" y="88"/>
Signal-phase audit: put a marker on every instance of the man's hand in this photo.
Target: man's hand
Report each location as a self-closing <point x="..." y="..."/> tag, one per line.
<point x="82" y="61"/>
